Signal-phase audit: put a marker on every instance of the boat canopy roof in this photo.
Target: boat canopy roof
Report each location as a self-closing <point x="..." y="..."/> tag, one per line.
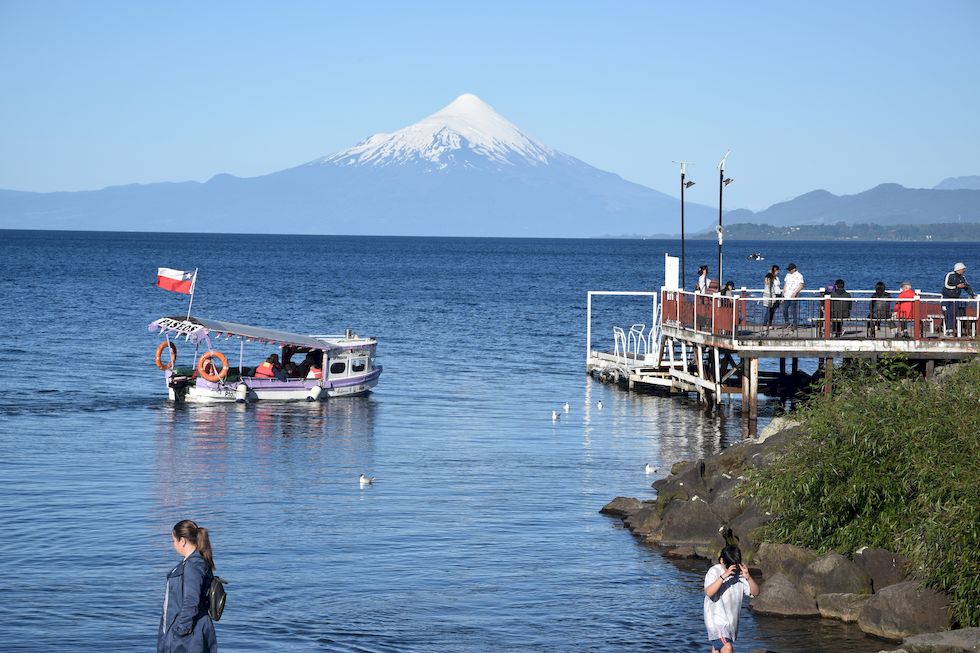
<point x="196" y="329"/>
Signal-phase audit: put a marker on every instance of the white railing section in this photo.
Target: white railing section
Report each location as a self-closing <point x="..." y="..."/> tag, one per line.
<point x="635" y="344"/>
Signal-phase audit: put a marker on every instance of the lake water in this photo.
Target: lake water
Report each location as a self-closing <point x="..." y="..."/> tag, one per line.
<point x="482" y="532"/>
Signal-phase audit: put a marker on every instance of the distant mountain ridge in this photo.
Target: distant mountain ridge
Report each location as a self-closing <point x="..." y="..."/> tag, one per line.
<point x="957" y="183"/>
<point x="885" y="204"/>
<point x="462" y="171"/>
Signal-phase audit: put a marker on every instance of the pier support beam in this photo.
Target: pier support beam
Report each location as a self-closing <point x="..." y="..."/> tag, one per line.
<point x="753" y="389"/>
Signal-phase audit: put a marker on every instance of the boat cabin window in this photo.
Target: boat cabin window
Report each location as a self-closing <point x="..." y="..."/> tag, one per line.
<point x="338" y="367"/>
<point x="358" y="365"/>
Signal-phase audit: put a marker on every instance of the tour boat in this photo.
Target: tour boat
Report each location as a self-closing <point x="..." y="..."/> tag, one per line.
<point x="310" y="368"/>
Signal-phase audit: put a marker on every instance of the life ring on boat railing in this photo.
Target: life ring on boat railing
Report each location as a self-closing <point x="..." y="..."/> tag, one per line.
<point x="173" y="355"/>
<point x="206" y="368"/>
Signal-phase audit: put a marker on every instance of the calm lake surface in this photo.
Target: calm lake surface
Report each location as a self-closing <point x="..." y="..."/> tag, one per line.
<point x="482" y="532"/>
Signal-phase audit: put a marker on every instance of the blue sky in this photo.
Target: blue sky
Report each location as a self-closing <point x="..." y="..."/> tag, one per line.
<point x="833" y="95"/>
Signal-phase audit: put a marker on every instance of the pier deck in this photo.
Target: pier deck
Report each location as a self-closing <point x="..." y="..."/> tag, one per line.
<point x="695" y="335"/>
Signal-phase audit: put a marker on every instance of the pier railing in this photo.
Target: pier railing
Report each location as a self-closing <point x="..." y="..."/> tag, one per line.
<point x="748" y="315"/>
<point x="632" y="345"/>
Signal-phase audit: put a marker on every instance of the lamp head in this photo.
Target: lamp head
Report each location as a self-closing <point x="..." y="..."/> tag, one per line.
<point x="688" y="184"/>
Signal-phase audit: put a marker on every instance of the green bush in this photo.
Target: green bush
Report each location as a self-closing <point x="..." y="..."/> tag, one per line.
<point x="887" y="461"/>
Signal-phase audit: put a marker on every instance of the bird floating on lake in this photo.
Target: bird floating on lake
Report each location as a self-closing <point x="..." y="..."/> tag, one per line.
<point x="364" y="480"/>
<point x="599" y="404"/>
<point x="650" y="469"/>
<point x="555" y="416"/>
<point x="566" y="407"/>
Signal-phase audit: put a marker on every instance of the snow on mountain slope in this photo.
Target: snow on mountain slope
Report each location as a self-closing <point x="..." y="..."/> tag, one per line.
<point x="466" y="132"/>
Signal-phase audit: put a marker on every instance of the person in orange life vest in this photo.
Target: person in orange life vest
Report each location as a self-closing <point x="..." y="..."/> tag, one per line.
<point x="315" y="369"/>
<point x="270" y="369"/>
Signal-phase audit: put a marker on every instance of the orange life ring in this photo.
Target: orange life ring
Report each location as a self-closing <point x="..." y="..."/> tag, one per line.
<point x="173" y="355"/>
<point x="205" y="367"/>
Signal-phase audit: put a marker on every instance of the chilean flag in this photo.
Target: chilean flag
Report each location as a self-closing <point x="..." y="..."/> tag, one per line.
<point x="176" y="280"/>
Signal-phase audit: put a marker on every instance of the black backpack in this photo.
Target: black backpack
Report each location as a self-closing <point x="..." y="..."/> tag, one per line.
<point x="216" y="597"/>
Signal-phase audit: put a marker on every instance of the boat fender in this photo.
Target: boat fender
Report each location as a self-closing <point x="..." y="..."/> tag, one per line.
<point x="241" y="392"/>
<point x="206" y="369"/>
<point x="173" y="355"/>
<point x="314" y="393"/>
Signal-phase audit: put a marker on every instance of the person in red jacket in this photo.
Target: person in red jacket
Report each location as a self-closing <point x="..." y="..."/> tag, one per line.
<point x="904" y="307"/>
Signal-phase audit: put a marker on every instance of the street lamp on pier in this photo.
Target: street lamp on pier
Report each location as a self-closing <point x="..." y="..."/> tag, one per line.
<point x="684" y="185"/>
<point x="720" y="229"/>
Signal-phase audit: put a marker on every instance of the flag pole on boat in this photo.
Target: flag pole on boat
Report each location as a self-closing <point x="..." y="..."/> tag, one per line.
<point x="193" y="286"/>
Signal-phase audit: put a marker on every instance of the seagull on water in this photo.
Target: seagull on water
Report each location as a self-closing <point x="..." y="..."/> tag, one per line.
<point x="599" y="404"/>
<point x="567" y="407"/>
<point x="555" y="416"/>
<point x="364" y="480"/>
<point x="650" y="469"/>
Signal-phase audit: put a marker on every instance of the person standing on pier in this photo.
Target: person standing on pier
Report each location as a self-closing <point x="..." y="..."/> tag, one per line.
<point x="904" y="311"/>
<point x="702" y="286"/>
<point x="792" y="287"/>
<point x="954" y="284"/>
<point x="771" y="292"/>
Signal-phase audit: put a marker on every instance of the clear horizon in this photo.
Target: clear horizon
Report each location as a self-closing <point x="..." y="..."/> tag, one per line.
<point x="840" y="97"/>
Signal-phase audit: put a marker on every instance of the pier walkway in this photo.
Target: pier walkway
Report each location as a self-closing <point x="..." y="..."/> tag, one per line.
<point x="712" y="344"/>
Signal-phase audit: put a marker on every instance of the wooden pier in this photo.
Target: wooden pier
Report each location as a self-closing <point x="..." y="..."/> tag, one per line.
<point x="713" y="344"/>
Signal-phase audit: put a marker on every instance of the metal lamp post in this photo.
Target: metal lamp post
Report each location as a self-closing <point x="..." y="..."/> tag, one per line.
<point x="684" y="185"/>
<point x="722" y="182"/>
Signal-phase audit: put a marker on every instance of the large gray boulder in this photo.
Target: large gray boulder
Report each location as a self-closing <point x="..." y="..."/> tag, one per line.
<point x="777" y="425"/>
<point x="786" y="559"/>
<point x="884" y="567"/>
<point x="844" y="607"/>
<point x="621" y="506"/>
<point x="832" y="573"/>
<point x="964" y="640"/>
<point x="687" y="482"/>
<point x="644" y="520"/>
<point x="904" y="610"/>
<point x="688" y="522"/>
<point x="751" y="518"/>
<point x="779" y="596"/>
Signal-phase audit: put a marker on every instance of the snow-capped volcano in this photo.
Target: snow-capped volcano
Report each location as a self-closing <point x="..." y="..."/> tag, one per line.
<point x="466" y="132"/>
<point x="463" y="171"/>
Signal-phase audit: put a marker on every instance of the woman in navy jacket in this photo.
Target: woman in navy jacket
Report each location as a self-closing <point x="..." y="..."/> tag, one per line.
<point x="185" y="626"/>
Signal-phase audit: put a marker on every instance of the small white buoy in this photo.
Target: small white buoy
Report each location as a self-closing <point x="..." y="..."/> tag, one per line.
<point x="314" y="393"/>
<point x="567" y="407"/>
<point x="364" y="480"/>
<point x="650" y="469"/>
<point x="241" y="392"/>
<point x="599" y="404"/>
<point x="555" y="416"/>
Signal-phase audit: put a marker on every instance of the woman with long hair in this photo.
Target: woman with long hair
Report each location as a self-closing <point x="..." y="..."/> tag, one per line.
<point x="771" y="292"/>
<point x="185" y="626"/>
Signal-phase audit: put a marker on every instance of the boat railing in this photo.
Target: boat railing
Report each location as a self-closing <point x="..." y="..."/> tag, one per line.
<point x="815" y="314"/>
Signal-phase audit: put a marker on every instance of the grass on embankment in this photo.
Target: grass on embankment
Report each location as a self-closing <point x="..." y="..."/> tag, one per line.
<point x="888" y="461"/>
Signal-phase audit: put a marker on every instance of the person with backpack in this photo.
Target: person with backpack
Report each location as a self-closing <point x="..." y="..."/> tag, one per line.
<point x="186" y="625"/>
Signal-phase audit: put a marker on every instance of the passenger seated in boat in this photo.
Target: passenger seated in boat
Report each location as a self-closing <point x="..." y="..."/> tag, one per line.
<point x="312" y="366"/>
<point x="292" y="370"/>
<point x="270" y="369"/>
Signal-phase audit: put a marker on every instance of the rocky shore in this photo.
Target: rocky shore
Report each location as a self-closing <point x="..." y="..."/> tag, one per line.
<point x="697" y="506"/>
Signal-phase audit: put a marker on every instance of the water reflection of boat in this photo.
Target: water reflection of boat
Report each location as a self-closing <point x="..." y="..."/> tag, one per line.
<point x="333" y="366"/>
<point x="756" y="256"/>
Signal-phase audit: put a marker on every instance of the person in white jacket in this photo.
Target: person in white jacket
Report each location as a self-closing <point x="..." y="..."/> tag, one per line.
<point x="725" y="584"/>
<point x="792" y="287"/>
